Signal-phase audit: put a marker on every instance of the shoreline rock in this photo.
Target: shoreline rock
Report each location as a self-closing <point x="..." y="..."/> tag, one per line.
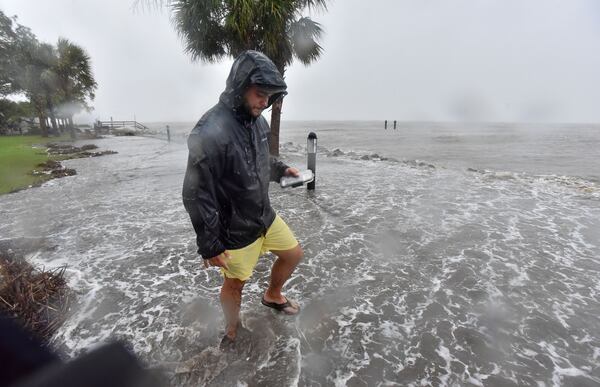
<point x="54" y="169"/>
<point x="73" y="152"/>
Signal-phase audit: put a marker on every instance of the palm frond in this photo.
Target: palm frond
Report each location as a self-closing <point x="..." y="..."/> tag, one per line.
<point x="75" y="80"/>
<point x="150" y="4"/>
<point x="304" y="34"/>
<point x="313" y="5"/>
<point x="213" y="29"/>
<point x="201" y="25"/>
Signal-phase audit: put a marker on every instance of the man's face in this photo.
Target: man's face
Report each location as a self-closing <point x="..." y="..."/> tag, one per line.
<point x="256" y="100"/>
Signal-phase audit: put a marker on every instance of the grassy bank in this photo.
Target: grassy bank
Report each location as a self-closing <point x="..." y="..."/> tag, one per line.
<point x="18" y="158"/>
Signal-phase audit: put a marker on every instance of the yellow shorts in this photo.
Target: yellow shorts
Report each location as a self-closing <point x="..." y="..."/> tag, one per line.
<point x="242" y="261"/>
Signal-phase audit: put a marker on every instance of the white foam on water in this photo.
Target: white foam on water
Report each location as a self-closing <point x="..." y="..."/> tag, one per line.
<point x="390" y="330"/>
<point x="341" y="378"/>
<point x="559" y="371"/>
<point x="475" y="380"/>
<point x="294" y="345"/>
<point x="444" y="353"/>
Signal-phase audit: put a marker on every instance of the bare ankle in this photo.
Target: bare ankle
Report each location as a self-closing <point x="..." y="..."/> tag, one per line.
<point x="231" y="332"/>
<point x="273" y="295"/>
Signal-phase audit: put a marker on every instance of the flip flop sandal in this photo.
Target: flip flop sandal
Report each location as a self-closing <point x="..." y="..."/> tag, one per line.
<point x="226" y="344"/>
<point x="281" y="307"/>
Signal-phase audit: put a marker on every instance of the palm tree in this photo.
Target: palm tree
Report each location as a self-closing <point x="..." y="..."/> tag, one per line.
<point x="75" y="80"/>
<point x="25" y="66"/>
<point x="38" y="80"/>
<point x="214" y="29"/>
<point x="49" y="76"/>
<point x="8" y="38"/>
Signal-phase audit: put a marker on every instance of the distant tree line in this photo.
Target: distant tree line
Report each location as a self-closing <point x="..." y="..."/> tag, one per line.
<point x="56" y="81"/>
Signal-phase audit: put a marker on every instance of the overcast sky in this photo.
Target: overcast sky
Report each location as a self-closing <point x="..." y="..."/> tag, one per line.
<point x="438" y="60"/>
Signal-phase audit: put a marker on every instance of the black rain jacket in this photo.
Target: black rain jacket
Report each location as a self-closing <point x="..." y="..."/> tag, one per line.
<point x="226" y="184"/>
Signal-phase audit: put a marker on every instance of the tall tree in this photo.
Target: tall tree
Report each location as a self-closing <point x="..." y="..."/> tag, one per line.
<point x="8" y="37"/>
<point x="214" y="29"/>
<point x="14" y="38"/>
<point x="75" y="80"/>
<point x="26" y="67"/>
<point x="40" y="82"/>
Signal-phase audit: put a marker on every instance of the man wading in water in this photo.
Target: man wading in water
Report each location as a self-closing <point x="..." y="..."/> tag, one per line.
<point x="226" y="188"/>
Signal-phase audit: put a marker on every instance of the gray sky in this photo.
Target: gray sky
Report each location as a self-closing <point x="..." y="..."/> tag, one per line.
<point x="442" y="60"/>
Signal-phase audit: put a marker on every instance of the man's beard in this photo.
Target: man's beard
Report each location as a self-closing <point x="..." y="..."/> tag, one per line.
<point x="248" y="109"/>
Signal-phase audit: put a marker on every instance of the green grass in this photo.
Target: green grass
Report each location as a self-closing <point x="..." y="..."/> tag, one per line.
<point x="18" y="158"/>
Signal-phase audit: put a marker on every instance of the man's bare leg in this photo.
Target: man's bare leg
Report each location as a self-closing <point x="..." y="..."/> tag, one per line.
<point x="282" y="269"/>
<point x="231" y="301"/>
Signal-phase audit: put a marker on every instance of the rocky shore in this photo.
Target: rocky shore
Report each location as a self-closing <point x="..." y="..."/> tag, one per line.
<point x="74" y="152"/>
<point x="53" y="169"/>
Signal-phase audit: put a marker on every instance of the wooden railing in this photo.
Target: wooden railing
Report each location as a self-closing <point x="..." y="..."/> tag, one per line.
<point x="119" y="124"/>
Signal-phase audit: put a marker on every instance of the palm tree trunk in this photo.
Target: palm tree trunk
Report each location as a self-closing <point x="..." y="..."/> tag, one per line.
<point x="276" y="119"/>
<point x="51" y="115"/>
<point x="53" y="122"/>
<point x="275" y="124"/>
<point x="43" y="126"/>
<point x="71" y="127"/>
<point x="39" y="108"/>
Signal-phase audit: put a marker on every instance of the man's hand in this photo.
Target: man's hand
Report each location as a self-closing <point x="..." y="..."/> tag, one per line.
<point x="292" y="172"/>
<point x="220" y="260"/>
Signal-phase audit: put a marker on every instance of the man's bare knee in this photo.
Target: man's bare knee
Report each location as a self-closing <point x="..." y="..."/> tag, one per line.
<point x="294" y="254"/>
<point x="233" y="284"/>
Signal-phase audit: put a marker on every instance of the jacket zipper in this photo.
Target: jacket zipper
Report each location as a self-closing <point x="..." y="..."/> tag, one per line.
<point x="262" y="194"/>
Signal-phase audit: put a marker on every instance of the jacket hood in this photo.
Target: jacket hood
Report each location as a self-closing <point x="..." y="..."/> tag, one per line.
<point x="252" y="68"/>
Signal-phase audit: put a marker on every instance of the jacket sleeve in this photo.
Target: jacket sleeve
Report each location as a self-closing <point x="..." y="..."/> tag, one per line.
<point x="277" y="169"/>
<point x="199" y="197"/>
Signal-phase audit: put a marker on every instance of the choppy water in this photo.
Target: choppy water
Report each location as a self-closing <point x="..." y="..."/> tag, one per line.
<point x="416" y="273"/>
